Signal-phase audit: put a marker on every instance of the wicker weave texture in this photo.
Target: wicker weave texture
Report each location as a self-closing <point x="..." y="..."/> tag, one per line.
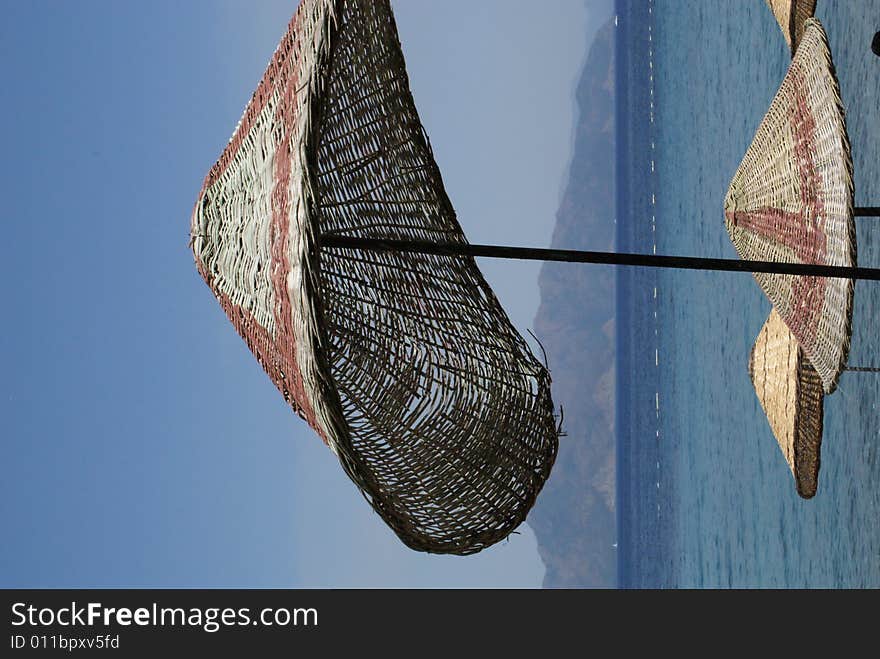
<point x="791" y="200"/>
<point x="407" y="365"/>
<point x="792" y="16"/>
<point x="790" y="392"/>
<point x="449" y="414"/>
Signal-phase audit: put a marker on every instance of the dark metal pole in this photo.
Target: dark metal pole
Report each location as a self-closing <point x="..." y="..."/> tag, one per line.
<point x="335" y="241"/>
<point x="862" y="369"/>
<point x="866" y="211"/>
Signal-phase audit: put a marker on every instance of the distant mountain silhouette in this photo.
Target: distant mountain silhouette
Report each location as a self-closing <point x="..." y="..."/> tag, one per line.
<point x="574" y="517"/>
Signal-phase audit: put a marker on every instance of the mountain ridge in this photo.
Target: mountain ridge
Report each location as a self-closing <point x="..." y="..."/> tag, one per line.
<point x="574" y="518"/>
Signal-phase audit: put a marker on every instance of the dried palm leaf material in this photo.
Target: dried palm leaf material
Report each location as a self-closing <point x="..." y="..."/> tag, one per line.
<point x="790" y="392"/>
<point x="791" y="200"/>
<point x="791" y="16"/>
<point x="405" y="364"/>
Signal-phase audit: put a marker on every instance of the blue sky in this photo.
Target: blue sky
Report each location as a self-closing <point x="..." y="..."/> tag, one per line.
<point x="142" y="444"/>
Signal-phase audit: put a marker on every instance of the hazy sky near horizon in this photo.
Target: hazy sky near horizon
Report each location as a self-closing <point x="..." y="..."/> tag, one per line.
<point x="142" y="443"/>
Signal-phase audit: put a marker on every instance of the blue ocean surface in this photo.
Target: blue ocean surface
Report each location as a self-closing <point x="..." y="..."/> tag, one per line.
<point x="705" y="497"/>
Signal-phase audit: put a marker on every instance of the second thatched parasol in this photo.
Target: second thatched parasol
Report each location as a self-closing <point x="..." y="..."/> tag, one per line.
<point x="791" y="200"/>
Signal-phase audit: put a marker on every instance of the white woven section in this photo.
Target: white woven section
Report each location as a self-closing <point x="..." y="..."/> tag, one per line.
<point x="233" y="223"/>
<point x="241" y="270"/>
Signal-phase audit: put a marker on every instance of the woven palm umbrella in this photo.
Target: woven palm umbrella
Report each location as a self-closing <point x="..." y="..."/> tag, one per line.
<point x="326" y="235"/>
<point x="791" y="200"/>
<point x="791" y="394"/>
<point x="405" y="364"/>
<point x="791" y="16"/>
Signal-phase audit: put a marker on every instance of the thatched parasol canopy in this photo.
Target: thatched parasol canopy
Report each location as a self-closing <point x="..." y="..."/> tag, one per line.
<point x="790" y="391"/>
<point x="405" y="364"/>
<point x="791" y="16"/>
<point x="791" y="200"/>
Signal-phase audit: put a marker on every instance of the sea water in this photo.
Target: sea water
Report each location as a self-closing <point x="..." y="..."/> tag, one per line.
<point x="705" y="498"/>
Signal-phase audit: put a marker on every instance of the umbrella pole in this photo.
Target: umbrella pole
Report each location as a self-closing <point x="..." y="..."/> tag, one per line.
<point x="866" y="211"/>
<point x="337" y="241"/>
